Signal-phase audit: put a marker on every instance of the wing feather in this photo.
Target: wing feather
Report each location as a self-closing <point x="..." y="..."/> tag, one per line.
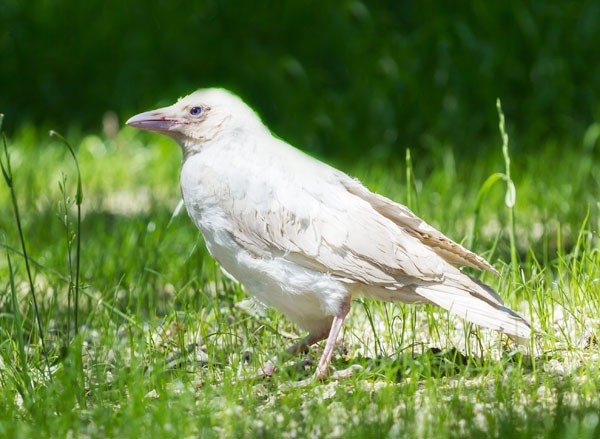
<point x="327" y="227"/>
<point x="451" y="251"/>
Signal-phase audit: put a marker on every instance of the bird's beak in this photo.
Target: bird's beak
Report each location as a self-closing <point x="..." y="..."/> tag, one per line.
<point x="160" y="120"/>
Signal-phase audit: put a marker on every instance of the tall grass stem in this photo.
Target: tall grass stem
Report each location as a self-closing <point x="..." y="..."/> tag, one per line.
<point x="9" y="179"/>
<point x="78" y="202"/>
<point x="511" y="193"/>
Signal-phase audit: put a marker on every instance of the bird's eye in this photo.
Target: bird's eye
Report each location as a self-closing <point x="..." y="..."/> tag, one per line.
<point x="196" y="111"/>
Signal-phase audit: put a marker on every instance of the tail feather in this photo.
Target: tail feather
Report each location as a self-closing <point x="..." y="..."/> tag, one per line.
<point x="468" y="302"/>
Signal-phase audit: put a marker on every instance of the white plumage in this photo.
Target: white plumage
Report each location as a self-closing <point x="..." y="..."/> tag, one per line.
<point x="304" y="237"/>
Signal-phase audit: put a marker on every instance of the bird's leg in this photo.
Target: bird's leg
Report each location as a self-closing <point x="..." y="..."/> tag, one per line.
<point x="302" y="346"/>
<point x="336" y="326"/>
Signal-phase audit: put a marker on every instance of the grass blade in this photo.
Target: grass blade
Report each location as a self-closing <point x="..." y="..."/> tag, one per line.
<point x="78" y="201"/>
<point x="511" y="193"/>
<point x="482" y="194"/>
<point x="18" y="322"/>
<point x="9" y="178"/>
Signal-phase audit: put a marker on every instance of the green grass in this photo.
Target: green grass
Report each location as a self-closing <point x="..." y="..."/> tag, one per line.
<point x="164" y="339"/>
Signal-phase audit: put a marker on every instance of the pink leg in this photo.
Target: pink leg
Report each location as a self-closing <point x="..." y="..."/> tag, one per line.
<point x="336" y="327"/>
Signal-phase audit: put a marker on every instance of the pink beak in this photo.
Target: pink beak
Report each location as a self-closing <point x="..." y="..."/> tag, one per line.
<point x="155" y="120"/>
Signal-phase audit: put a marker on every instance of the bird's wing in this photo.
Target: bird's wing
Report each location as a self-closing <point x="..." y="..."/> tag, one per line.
<point x="443" y="246"/>
<point x="321" y="224"/>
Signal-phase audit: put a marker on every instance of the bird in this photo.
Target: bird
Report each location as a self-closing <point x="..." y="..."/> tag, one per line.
<point x="306" y="238"/>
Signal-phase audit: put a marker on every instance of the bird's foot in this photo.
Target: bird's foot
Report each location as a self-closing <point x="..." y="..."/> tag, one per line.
<point x="267" y="370"/>
<point x="346" y="373"/>
<point x="321" y="375"/>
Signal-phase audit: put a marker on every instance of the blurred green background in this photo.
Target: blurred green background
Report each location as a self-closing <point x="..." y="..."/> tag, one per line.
<point x="339" y="78"/>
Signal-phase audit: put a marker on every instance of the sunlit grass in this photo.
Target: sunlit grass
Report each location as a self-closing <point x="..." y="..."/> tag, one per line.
<point x="165" y="339"/>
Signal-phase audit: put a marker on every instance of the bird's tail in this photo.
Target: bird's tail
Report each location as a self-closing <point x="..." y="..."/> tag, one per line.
<point x="476" y="302"/>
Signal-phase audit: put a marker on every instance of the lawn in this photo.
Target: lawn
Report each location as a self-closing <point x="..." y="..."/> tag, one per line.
<point x="164" y="345"/>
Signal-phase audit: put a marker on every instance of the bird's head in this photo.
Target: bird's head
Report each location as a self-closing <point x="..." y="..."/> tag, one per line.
<point x="200" y="117"/>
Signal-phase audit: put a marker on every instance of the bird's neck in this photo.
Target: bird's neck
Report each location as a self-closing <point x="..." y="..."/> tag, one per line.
<point x="222" y="134"/>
